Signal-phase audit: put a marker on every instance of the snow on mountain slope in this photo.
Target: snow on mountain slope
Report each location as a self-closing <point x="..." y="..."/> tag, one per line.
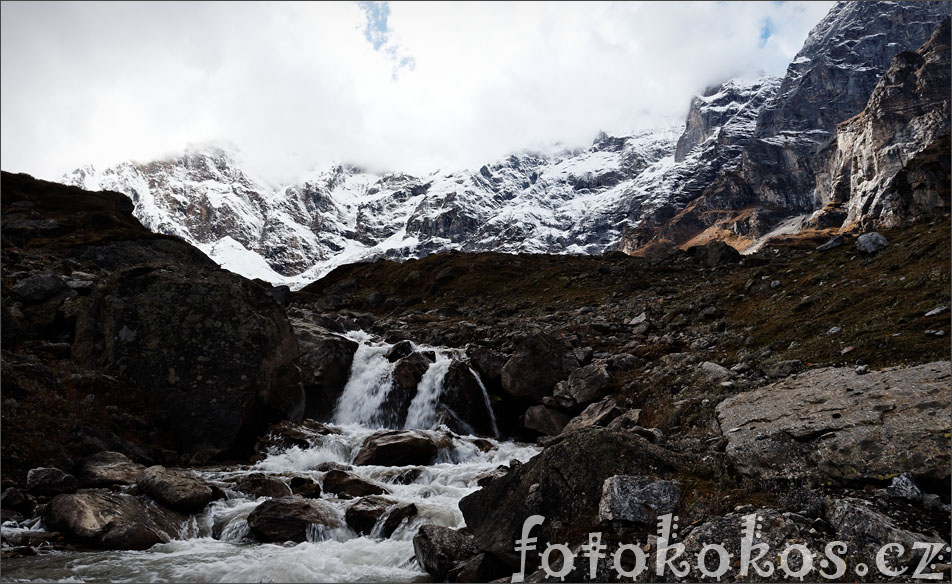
<point x="567" y="202"/>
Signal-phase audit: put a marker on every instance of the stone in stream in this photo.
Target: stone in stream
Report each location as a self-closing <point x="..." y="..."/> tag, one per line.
<point x="106" y="468"/>
<point x="180" y="490"/>
<point x="260" y="485"/>
<point x="288" y="519"/>
<point x="306" y="487"/>
<point x="363" y="515"/>
<point x="347" y="486"/>
<point x="397" y="448"/>
<point x="109" y="520"/>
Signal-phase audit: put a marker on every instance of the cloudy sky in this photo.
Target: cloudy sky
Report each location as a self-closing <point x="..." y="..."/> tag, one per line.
<point x="399" y="85"/>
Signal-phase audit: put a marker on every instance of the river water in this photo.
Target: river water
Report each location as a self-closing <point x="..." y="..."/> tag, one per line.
<point x="215" y="546"/>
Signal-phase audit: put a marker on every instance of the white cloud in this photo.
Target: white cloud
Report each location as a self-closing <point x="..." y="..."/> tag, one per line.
<point x="297" y="85"/>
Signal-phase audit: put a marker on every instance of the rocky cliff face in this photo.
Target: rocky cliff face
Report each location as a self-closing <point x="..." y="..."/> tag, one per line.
<point x="117" y="338"/>
<point x="890" y="163"/>
<point x="830" y="80"/>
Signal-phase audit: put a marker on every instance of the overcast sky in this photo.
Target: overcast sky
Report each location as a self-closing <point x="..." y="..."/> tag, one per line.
<point x="408" y="86"/>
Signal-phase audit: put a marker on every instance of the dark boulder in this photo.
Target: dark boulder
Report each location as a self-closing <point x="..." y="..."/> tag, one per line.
<point x="600" y="413"/>
<point x="407" y="374"/>
<point x="540" y="361"/>
<point x="363" y="514"/>
<point x="464" y="398"/>
<point x="399" y="351"/>
<point x="397" y="516"/>
<point x="260" y="485"/>
<point x="715" y="253"/>
<point x="545" y="420"/>
<point x="50" y="481"/>
<point x="348" y="486"/>
<point x="106" y="468"/>
<point x="180" y="490"/>
<point x="305" y="487"/>
<point x="325" y="363"/>
<point x="397" y="448"/>
<point x="564" y="483"/>
<point x="288" y="519"/>
<point x="439" y="549"/>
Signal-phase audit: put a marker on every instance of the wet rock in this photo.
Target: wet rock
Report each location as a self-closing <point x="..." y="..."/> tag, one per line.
<point x="397" y="448"/>
<point x="106" y="520"/>
<point x="260" y="485"/>
<point x="487" y="363"/>
<point x="348" y="486"/>
<point x="598" y="414"/>
<point x="288" y="519"/>
<point x="871" y="243"/>
<point x="539" y="362"/>
<point x="305" y="487"/>
<point x="407" y="374"/>
<point x="463" y="396"/>
<point x="479" y="568"/>
<point x="397" y="516"/>
<point x="106" y="468"/>
<point x="288" y="434"/>
<point x="325" y="361"/>
<point x="636" y="499"/>
<point x="180" y="490"/>
<point x="363" y="514"/>
<point x="439" y="549"/>
<point x="545" y="420"/>
<point x="833" y="425"/>
<point x="399" y="351"/>
<point x="564" y="484"/>
<point x="50" y="481"/>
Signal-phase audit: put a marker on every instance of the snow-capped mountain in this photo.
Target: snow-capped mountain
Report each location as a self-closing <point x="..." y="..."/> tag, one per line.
<point x="749" y="161"/>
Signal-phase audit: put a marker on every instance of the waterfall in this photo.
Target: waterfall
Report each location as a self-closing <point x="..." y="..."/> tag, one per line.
<point x="371" y="378"/>
<point x="422" y="412"/>
<point x="486" y="400"/>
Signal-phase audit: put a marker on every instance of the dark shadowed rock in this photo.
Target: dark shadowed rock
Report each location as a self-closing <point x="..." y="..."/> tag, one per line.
<point x="305" y="487"/>
<point x="585" y="385"/>
<point x="50" y="481"/>
<point x="363" y="514"/>
<point x="39" y="288"/>
<point x="538" y="364"/>
<point x="177" y="489"/>
<point x="397" y="516"/>
<point x="348" y="486"/>
<point x="870" y="243"/>
<point x="564" y="484"/>
<point x="325" y="363"/>
<point x="16" y="500"/>
<point x="463" y="396"/>
<point x="288" y="519"/>
<point x="715" y="253"/>
<point x="545" y="420"/>
<point x="439" y="549"/>
<point x="407" y="374"/>
<point x="397" y="448"/>
<point x="399" y="351"/>
<point x="107" y="468"/>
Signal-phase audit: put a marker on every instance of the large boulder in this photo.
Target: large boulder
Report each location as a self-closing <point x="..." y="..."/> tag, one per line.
<point x="585" y="385"/>
<point x="363" y="514"/>
<point x="150" y="339"/>
<point x="564" y="483"/>
<point x="545" y="420"/>
<point x="438" y="549"/>
<point x="464" y="398"/>
<point x="397" y="448"/>
<point x="834" y="425"/>
<point x="325" y="363"/>
<point x="540" y="361"/>
<point x="177" y="489"/>
<point x="106" y="468"/>
<point x="600" y="413"/>
<point x="260" y="485"/>
<point x="108" y="520"/>
<point x="289" y="519"/>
